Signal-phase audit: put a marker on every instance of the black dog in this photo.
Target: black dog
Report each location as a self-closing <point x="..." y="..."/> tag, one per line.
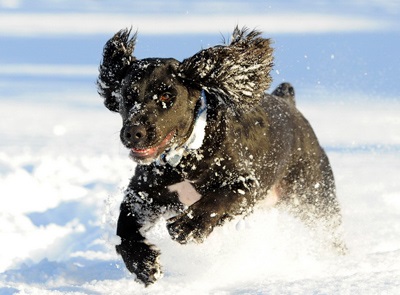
<point x="206" y="128"/>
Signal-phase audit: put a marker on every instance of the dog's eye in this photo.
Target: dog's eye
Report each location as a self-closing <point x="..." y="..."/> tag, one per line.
<point x="165" y="97"/>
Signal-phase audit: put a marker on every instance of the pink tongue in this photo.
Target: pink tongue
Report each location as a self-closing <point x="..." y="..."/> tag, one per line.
<point x="152" y="151"/>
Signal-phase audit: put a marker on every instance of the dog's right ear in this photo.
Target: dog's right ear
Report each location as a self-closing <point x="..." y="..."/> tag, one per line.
<point x="117" y="56"/>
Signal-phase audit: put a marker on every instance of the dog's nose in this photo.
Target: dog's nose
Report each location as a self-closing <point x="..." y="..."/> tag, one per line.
<point x="134" y="134"/>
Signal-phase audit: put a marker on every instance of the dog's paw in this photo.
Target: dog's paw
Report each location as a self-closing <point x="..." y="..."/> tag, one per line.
<point x="149" y="273"/>
<point x="142" y="260"/>
<point x="187" y="227"/>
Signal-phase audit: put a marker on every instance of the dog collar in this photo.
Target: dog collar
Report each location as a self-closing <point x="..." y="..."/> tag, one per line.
<point x="174" y="155"/>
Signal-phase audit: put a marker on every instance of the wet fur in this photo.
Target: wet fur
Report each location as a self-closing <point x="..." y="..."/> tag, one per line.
<point x="254" y="143"/>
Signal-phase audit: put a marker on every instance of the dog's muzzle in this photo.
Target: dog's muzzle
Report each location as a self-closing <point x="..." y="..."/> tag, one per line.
<point x="149" y="154"/>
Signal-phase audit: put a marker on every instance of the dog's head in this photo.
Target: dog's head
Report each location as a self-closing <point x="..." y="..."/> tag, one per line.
<point x="159" y="99"/>
<point x="157" y="109"/>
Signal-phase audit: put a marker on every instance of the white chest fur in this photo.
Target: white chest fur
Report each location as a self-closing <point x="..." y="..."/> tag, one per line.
<point x="186" y="192"/>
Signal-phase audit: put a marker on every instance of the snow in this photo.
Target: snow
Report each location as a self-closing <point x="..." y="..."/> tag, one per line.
<point x="60" y="193"/>
<point x="63" y="169"/>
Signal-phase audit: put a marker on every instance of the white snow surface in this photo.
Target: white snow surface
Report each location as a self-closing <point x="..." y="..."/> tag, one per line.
<point x="63" y="170"/>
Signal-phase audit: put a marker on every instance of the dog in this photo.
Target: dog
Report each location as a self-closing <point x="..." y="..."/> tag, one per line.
<point x="210" y="144"/>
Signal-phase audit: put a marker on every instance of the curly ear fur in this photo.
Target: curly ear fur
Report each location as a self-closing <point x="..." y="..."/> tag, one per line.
<point x="117" y="56"/>
<point x="237" y="72"/>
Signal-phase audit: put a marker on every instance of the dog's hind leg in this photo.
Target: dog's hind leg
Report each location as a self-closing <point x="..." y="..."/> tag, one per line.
<point x="310" y="195"/>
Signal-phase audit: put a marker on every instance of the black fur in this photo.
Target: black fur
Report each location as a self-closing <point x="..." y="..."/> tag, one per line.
<point x="254" y="143"/>
<point x="238" y="73"/>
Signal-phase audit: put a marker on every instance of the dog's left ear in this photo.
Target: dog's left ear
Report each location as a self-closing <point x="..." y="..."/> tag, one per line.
<point x="117" y="56"/>
<point x="237" y="72"/>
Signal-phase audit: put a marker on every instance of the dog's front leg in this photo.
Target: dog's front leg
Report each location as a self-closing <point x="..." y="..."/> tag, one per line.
<point x="140" y="257"/>
<point x="215" y="206"/>
<point x="146" y="199"/>
<point x="139" y="211"/>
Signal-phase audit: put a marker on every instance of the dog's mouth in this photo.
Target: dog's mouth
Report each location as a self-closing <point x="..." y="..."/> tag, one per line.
<point x="148" y="154"/>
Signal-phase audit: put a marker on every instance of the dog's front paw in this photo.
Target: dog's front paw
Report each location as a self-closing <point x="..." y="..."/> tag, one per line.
<point x="188" y="227"/>
<point x="142" y="260"/>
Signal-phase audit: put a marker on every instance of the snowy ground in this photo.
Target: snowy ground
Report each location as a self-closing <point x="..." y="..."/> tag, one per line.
<point x="62" y="170"/>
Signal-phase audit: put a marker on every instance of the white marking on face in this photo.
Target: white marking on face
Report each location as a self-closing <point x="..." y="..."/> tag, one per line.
<point x="186" y="192"/>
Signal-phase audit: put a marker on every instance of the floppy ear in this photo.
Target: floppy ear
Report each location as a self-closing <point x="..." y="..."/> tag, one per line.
<point x="117" y="56"/>
<point x="237" y="72"/>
